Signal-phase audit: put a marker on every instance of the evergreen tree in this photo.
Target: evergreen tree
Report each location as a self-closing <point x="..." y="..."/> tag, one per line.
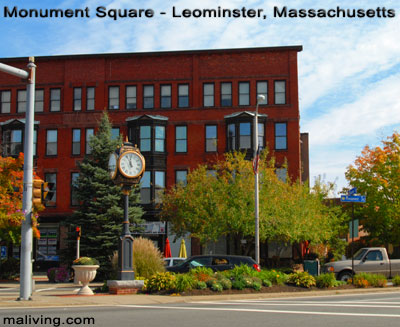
<point x="101" y="204"/>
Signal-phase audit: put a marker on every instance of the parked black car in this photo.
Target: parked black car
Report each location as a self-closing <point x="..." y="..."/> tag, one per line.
<point x="216" y="262"/>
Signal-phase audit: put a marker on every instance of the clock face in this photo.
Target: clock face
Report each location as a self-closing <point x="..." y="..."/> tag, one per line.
<point x="131" y="164"/>
<point x="112" y="165"/>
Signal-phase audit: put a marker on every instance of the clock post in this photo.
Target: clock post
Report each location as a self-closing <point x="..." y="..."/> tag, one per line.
<point x="126" y="166"/>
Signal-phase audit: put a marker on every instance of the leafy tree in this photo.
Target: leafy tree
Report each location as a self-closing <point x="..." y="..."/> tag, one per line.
<point x="100" y="212"/>
<point x="376" y="174"/>
<point x="211" y="206"/>
<point x="11" y="191"/>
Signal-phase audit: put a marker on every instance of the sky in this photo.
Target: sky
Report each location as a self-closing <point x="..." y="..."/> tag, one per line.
<point x="349" y="69"/>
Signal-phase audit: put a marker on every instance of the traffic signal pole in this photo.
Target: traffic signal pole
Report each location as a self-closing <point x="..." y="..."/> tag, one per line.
<point x="26" y="228"/>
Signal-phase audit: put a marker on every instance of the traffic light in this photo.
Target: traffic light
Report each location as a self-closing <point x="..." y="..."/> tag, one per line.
<point x="78" y="233"/>
<point x="37" y="191"/>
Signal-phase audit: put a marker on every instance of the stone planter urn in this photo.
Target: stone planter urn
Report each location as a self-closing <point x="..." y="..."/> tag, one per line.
<point x="85" y="274"/>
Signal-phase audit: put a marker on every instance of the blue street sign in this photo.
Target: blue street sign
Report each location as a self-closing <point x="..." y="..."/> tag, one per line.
<point x="353" y="191"/>
<point x="3" y="252"/>
<point x="353" y="198"/>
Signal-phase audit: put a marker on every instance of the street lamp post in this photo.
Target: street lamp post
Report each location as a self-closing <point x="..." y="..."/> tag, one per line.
<point x="26" y="227"/>
<point x="260" y="98"/>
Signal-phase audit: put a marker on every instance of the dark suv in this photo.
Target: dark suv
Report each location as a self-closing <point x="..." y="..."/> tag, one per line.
<point x="216" y="262"/>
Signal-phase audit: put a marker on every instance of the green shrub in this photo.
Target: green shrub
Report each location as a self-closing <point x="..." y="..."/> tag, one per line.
<point x="226" y="283"/>
<point x="211" y="281"/>
<point x="248" y="282"/>
<point x="239" y="284"/>
<point x="396" y="280"/>
<point x="200" y="285"/>
<point x="326" y="280"/>
<point x="202" y="274"/>
<point x="363" y="280"/>
<point x="302" y="279"/>
<point x="276" y="277"/>
<point x="242" y="271"/>
<point x="256" y="286"/>
<point x="217" y="287"/>
<point x="162" y="281"/>
<point x="267" y="283"/>
<point x="184" y="282"/>
<point x="378" y="280"/>
<point x="147" y="259"/>
<point x="9" y="268"/>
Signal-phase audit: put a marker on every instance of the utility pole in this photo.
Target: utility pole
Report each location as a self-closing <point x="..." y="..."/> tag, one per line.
<point x="256" y="198"/>
<point x="25" y="290"/>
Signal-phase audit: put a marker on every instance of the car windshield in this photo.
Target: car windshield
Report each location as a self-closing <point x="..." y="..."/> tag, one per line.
<point x="359" y="254"/>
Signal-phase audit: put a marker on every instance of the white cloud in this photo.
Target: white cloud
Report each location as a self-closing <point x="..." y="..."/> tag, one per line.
<point x="377" y="107"/>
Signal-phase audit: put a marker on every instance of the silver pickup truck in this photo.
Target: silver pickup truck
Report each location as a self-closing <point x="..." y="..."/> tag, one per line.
<point x="369" y="260"/>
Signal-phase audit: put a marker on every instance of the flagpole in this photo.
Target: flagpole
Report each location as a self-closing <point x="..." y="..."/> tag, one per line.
<point x="256" y="200"/>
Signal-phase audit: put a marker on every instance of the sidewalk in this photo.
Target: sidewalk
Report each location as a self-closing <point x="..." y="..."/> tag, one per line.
<point x="64" y="294"/>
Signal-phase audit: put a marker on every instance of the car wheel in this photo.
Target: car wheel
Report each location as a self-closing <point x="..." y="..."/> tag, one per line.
<point x="345" y="276"/>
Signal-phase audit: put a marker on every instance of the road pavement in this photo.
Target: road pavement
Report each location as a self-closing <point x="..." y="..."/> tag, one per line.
<point x="366" y="309"/>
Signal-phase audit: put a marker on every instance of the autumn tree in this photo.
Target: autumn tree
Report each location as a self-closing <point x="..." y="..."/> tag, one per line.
<point x="376" y="174"/>
<point x="214" y="205"/>
<point x="11" y="190"/>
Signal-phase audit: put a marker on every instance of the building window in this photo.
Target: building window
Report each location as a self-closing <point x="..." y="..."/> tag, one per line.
<point x="160" y="138"/>
<point x="39" y="100"/>
<point x="183" y="96"/>
<point x="181" y="177"/>
<point x="231" y="137"/>
<point x="148" y="96"/>
<point x="211" y="138"/>
<point x="262" y="89"/>
<point x="74" y="181"/>
<point x="131" y="97"/>
<point x="90" y="96"/>
<point x="51" y="198"/>
<point x="113" y="97"/>
<point x="46" y="246"/>
<point x="12" y="142"/>
<point x="281" y="173"/>
<point x="145" y="190"/>
<point x="280" y="136"/>
<point x="181" y="138"/>
<point x="51" y="142"/>
<point x="208" y="94"/>
<point x="165" y="96"/>
<point x="77" y="98"/>
<point x="76" y="142"/>
<point x="21" y="101"/>
<point x="226" y="94"/>
<point x="34" y="142"/>
<point x="89" y="134"/>
<point x="145" y="138"/>
<point x="115" y="133"/>
<point x="55" y="99"/>
<point x="280" y="92"/>
<point x="159" y="185"/>
<point x="244" y="93"/>
<point x="5" y="102"/>
<point x="152" y="186"/>
<point x="261" y="135"/>
<point x="244" y="136"/>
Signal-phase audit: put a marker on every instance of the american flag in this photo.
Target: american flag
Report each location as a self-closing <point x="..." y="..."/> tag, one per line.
<point x="256" y="161"/>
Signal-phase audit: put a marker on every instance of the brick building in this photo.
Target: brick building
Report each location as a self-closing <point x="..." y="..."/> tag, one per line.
<point x="181" y="108"/>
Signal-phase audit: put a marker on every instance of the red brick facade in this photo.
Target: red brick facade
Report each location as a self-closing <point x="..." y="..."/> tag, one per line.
<point x="239" y="68"/>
